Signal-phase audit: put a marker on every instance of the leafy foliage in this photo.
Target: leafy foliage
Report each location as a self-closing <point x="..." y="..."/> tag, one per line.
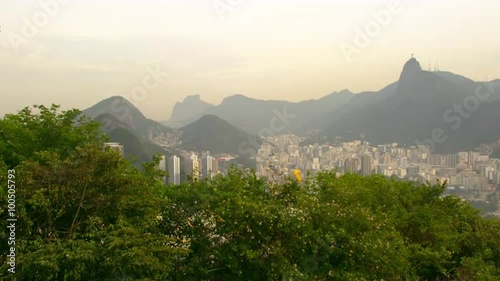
<point x="341" y="228"/>
<point x="43" y="129"/>
<point x="84" y="213"/>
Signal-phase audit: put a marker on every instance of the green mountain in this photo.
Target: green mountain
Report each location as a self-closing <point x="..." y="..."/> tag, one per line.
<point x="137" y="150"/>
<point x="217" y="136"/>
<point x="126" y="113"/>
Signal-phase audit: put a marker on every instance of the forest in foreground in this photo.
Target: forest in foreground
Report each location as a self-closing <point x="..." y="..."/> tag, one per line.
<point x="84" y="213"/>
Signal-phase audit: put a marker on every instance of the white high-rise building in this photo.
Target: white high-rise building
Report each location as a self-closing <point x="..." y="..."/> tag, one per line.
<point x="207" y="166"/>
<point x="193" y="167"/>
<point x="174" y="170"/>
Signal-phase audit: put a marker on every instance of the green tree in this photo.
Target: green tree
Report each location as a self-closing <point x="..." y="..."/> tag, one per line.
<point x="331" y="227"/>
<point x="42" y="128"/>
<point x="84" y="213"/>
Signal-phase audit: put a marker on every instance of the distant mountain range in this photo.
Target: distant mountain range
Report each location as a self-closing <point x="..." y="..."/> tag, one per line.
<point x="421" y="107"/>
<point x="449" y="111"/>
<point x="255" y="116"/>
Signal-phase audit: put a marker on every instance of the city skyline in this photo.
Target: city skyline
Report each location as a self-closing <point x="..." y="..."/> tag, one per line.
<point x="259" y="49"/>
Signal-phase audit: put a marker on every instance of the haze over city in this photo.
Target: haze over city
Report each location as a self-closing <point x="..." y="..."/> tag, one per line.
<point x="287" y="50"/>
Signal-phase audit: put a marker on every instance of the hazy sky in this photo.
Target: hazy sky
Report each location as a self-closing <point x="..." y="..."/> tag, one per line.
<point x="88" y="50"/>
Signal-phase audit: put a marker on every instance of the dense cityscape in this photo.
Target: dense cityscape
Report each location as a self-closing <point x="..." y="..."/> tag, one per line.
<point x="471" y="175"/>
<point x="470" y="171"/>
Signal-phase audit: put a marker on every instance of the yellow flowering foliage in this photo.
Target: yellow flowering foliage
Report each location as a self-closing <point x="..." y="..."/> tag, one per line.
<point x="297" y="174"/>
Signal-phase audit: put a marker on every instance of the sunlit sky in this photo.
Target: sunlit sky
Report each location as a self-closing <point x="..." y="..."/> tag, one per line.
<point x="90" y="50"/>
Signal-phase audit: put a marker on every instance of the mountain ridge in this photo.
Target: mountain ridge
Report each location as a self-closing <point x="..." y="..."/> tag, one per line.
<point x="405" y="111"/>
<point x="253" y="115"/>
<point x="420" y="105"/>
<point x="125" y="112"/>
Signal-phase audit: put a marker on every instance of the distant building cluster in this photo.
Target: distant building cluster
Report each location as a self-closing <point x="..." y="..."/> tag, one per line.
<point x="195" y="168"/>
<point x="469" y="174"/>
<point x="466" y="172"/>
